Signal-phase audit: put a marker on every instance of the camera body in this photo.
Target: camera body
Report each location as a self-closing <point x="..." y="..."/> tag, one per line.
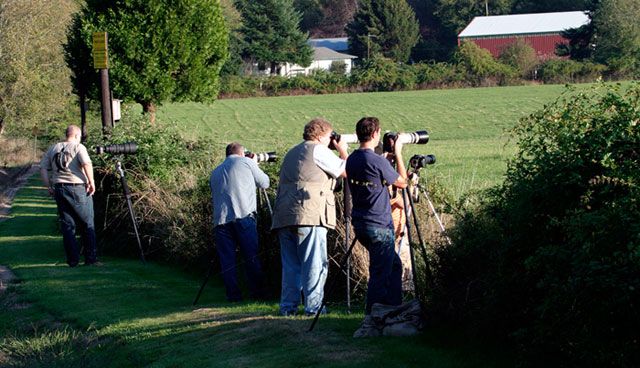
<point x="390" y="138"/>
<point x="263" y="156"/>
<point x="419" y="161"/>
<point x="127" y="148"/>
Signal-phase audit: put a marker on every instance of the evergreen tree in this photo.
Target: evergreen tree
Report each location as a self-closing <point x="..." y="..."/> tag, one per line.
<point x="159" y="50"/>
<point x="271" y="33"/>
<point x="387" y="27"/>
<point x="617" y="35"/>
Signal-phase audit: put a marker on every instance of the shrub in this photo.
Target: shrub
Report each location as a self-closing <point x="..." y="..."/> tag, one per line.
<point x="551" y="257"/>
<point x="570" y="71"/>
<point x="480" y="67"/>
<point x="520" y="56"/>
<point x="382" y="74"/>
<point x="437" y="75"/>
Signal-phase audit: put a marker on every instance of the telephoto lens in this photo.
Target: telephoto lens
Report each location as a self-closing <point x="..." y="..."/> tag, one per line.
<point x="420" y="161"/>
<point x="390" y="138"/>
<point x="349" y="138"/>
<point x="128" y="148"/>
<point x="263" y="156"/>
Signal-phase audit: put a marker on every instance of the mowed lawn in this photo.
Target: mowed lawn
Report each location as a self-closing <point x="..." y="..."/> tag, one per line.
<point x="467" y="126"/>
<point x="126" y="314"/>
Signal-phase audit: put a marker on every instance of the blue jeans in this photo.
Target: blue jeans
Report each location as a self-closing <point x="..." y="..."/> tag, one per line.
<point x="75" y="210"/>
<point x="303" y="250"/>
<point x="385" y="267"/>
<point x="244" y="233"/>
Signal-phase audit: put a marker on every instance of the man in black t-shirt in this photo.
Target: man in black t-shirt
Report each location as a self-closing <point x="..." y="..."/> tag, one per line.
<point x="369" y="176"/>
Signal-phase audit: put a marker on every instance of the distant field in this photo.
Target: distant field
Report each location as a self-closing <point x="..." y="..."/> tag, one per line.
<point x="467" y="126"/>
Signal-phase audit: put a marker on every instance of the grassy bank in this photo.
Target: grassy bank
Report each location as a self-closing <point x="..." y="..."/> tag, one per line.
<point x="129" y="314"/>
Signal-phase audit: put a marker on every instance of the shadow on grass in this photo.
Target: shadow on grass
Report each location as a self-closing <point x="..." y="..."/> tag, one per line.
<point x="129" y="314"/>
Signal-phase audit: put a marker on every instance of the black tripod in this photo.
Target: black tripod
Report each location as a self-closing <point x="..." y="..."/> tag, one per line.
<point x="127" y="195"/>
<point x="263" y="193"/>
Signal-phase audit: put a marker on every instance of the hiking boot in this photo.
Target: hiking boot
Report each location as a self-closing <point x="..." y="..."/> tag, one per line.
<point x="368" y="328"/>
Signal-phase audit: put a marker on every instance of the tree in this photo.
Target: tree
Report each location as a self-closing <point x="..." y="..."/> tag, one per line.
<point x="387" y="27"/>
<point x="326" y="18"/>
<point x="158" y="50"/>
<point x="34" y="80"/>
<point x="271" y="33"/>
<point x="617" y="35"/>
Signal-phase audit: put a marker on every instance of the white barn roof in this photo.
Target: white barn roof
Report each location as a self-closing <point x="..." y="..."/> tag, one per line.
<point x="496" y="25"/>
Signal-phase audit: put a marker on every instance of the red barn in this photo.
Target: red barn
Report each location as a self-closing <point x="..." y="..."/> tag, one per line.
<point x="541" y="31"/>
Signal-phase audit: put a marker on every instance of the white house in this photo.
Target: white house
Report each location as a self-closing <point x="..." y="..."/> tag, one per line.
<point x="326" y="52"/>
<point x="323" y="59"/>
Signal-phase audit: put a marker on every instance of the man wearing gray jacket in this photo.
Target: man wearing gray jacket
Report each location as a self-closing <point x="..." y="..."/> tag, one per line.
<point x="233" y="193"/>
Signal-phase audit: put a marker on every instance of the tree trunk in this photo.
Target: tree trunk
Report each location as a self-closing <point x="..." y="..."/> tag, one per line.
<point x="1" y="125"/>
<point x="273" y="68"/>
<point x="150" y="108"/>
<point x="83" y="115"/>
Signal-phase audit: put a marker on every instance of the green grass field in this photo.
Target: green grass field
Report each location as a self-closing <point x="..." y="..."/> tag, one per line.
<point x="467" y="126"/>
<point x="126" y="314"/>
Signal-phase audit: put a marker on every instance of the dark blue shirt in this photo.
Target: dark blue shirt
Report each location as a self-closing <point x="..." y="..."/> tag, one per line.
<point x="369" y="176"/>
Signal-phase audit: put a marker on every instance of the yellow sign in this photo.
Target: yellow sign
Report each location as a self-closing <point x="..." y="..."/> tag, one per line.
<point x="100" y="54"/>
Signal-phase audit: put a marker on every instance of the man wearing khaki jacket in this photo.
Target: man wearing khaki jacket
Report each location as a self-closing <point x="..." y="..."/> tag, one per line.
<point x="304" y="210"/>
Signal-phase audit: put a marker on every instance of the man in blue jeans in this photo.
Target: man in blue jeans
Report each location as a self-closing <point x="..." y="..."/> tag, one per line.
<point x="71" y="184"/>
<point x="370" y="176"/>
<point x="233" y="193"/>
<point x="303" y="212"/>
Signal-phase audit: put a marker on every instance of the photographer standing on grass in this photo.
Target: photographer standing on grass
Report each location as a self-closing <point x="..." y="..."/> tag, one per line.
<point x="304" y="210"/>
<point x="72" y="186"/>
<point x="233" y="193"/>
<point x="370" y="175"/>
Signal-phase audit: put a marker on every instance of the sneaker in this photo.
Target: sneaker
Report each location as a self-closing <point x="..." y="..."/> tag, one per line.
<point x="368" y="328"/>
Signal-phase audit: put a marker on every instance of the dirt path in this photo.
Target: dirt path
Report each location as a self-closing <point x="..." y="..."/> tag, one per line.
<point x="11" y="180"/>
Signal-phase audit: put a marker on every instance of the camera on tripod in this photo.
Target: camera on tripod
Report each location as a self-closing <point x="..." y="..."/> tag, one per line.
<point x="390" y="138"/>
<point x="128" y="148"/>
<point x="262" y="156"/>
<point x="417" y="162"/>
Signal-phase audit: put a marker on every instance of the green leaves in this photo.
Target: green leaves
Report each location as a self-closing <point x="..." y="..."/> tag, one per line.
<point x="158" y="50"/>
<point x="387" y="27"/>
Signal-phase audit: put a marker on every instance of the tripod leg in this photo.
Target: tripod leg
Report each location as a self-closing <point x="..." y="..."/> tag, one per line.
<point x="411" y="251"/>
<point x="423" y="247"/>
<point x="204" y="283"/>
<point x="266" y="199"/>
<point x="435" y="214"/>
<point x="333" y="283"/>
<point x="127" y="195"/>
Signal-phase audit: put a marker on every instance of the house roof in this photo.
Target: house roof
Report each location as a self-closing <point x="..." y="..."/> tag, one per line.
<point x="323" y="53"/>
<point x="335" y="44"/>
<point x="524" y="24"/>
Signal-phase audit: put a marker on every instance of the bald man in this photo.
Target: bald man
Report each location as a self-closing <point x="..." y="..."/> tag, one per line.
<point x="67" y="172"/>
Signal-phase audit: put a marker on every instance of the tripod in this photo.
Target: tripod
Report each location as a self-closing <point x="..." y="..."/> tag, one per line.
<point x="127" y="195"/>
<point x="263" y="193"/>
